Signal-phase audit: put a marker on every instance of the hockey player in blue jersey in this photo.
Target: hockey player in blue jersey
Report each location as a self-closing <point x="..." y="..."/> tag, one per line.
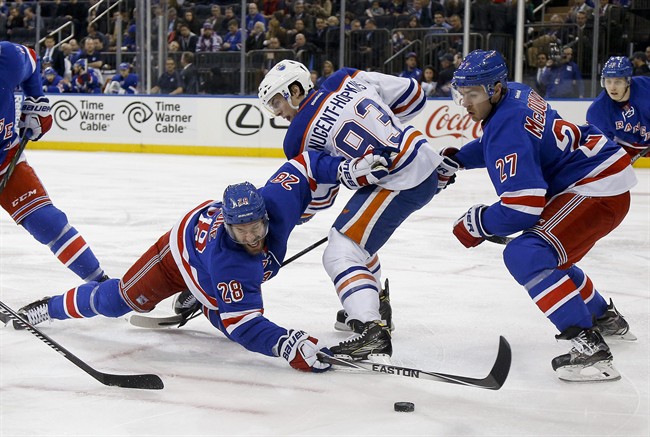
<point x="222" y="252"/>
<point x="351" y="113"/>
<point x="565" y="186"/>
<point x="124" y="82"/>
<point x="53" y="83"/>
<point x="85" y="80"/>
<point x="24" y="196"/>
<point x="622" y="110"/>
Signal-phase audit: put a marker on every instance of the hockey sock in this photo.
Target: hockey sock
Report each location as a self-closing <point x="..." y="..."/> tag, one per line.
<point x="595" y="302"/>
<point x="89" y="300"/>
<point x="50" y="226"/>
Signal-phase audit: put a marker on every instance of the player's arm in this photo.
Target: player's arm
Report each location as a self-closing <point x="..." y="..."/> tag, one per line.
<point x="404" y="96"/>
<point x="469" y="156"/>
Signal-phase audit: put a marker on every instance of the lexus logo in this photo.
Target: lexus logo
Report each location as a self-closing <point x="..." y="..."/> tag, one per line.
<point x="244" y="119"/>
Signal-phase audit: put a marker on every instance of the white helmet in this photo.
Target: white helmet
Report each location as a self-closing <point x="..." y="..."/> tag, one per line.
<point x="278" y="79"/>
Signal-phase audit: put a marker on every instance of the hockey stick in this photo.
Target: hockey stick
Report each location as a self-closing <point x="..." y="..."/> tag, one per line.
<point x="642" y="153"/>
<point x="498" y="239"/>
<point x="148" y="381"/>
<point x="164" y="322"/>
<point x="12" y="164"/>
<point x="493" y="381"/>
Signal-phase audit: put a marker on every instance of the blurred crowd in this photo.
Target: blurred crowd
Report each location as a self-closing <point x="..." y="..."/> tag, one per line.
<point x="414" y="38"/>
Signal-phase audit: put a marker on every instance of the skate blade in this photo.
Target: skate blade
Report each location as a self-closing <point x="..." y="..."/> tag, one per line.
<point x="628" y="336"/>
<point x="597" y="372"/>
<point x="379" y="359"/>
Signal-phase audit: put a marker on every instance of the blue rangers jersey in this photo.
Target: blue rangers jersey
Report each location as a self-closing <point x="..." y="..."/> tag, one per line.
<point x="355" y="111"/>
<point x="223" y="276"/>
<point x="627" y="123"/>
<point x="532" y="154"/>
<point x="129" y="83"/>
<point x="19" y="67"/>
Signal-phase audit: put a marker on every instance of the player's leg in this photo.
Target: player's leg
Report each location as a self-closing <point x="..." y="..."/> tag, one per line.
<point x="542" y="261"/>
<point x="152" y="278"/>
<point x="28" y="203"/>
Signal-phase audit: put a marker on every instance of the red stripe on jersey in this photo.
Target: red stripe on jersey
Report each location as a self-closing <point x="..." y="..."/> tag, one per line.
<point x="69" y="302"/>
<point x="72" y="250"/>
<point x="554" y="296"/>
<point x="234" y="320"/>
<point x="533" y="201"/>
<point x="417" y="97"/>
<point x="587" y="291"/>
<point x="617" y="167"/>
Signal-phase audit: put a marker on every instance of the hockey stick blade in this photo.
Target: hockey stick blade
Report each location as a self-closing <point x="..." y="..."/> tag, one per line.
<point x="143" y="381"/>
<point x="155" y="322"/>
<point x="493" y="381"/>
<point x="498" y="239"/>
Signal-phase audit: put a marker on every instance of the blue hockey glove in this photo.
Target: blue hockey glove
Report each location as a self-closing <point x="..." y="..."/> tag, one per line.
<point x="300" y="350"/>
<point x="469" y="228"/>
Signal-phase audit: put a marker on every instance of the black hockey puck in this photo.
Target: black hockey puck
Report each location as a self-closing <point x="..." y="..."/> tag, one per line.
<point x="404" y="407"/>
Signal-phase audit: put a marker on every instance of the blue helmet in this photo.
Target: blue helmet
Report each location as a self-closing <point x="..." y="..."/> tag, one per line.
<point x="243" y="204"/>
<point x="616" y="66"/>
<point x="48" y="71"/>
<point x="81" y="63"/>
<point x="46" y="60"/>
<point x="481" y="68"/>
<point x="124" y="66"/>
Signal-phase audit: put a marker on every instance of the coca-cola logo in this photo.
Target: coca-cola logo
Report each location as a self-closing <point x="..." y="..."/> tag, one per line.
<point x="446" y="123"/>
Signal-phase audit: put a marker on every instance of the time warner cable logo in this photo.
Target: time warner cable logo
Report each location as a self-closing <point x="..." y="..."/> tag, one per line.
<point x="62" y="112"/>
<point x="137" y="113"/>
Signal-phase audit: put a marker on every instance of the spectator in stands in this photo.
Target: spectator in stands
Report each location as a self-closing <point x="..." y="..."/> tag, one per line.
<point x="233" y="39"/>
<point x="299" y="14"/>
<point x="439" y="24"/>
<point x="328" y="69"/>
<point x="313" y="74"/>
<point x="253" y="17"/>
<point x="446" y="75"/>
<point x="66" y="49"/>
<point x="270" y="7"/>
<point x="170" y="81"/>
<point x="453" y="7"/>
<point x="56" y="55"/>
<point x="53" y="83"/>
<point x="299" y="27"/>
<point x="123" y="82"/>
<point x="96" y="34"/>
<point x="411" y="69"/>
<point x="272" y="57"/>
<point x="192" y="23"/>
<point x="305" y="51"/>
<point x="423" y="14"/>
<point x="29" y="19"/>
<point x="396" y="7"/>
<point x="369" y="44"/>
<point x="14" y="20"/>
<point x="542" y="59"/>
<point x="319" y="37"/>
<point x="172" y="24"/>
<point x="94" y="59"/>
<point x="578" y="6"/>
<point x="555" y="33"/>
<point x="429" y="81"/>
<point x="456" y="42"/>
<point x="216" y="18"/>
<point x="375" y="10"/>
<point x="189" y="74"/>
<point x="75" y="50"/>
<point x="209" y="41"/>
<point x="229" y="15"/>
<point x="186" y="39"/>
<point x="257" y="37"/>
<point x="640" y="66"/>
<point x="562" y="76"/>
<point x="173" y="47"/>
<point x="277" y="31"/>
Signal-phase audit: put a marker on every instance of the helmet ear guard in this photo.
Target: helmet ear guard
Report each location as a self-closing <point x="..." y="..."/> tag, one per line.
<point x="279" y="80"/>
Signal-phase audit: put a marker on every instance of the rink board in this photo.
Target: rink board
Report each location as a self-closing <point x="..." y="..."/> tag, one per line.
<point x="223" y="126"/>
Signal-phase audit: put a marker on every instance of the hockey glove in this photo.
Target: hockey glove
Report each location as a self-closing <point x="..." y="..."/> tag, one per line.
<point x="446" y="173"/>
<point x="35" y="118"/>
<point x="365" y="170"/>
<point x="300" y="350"/>
<point x="469" y="229"/>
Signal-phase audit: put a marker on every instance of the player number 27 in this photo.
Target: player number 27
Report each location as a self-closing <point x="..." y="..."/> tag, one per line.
<point x="231" y="291"/>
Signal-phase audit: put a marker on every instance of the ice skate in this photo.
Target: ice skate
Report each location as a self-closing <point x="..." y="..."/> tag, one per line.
<point x="613" y="324"/>
<point x="371" y="341"/>
<point x="385" y="311"/>
<point x="588" y="360"/>
<point x="34" y="313"/>
<point x="186" y="306"/>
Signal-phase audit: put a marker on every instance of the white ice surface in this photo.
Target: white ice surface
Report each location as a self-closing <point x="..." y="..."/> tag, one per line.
<point x="450" y="305"/>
